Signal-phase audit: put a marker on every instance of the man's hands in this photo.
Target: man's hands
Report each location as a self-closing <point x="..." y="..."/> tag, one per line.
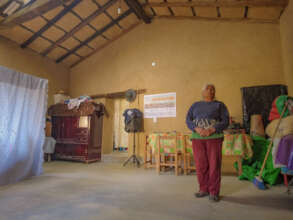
<point x="205" y="132"/>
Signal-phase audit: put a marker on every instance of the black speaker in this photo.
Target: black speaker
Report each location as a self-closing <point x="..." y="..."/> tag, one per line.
<point x="133" y="120"/>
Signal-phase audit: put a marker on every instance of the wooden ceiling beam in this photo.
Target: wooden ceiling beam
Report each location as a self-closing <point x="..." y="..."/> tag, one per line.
<point x="228" y="4"/>
<point x="116" y="95"/>
<point x="138" y="10"/>
<point x="106" y="13"/>
<point x="51" y="23"/>
<point x="247" y="20"/>
<point x="4" y="4"/>
<point x="80" y="26"/>
<point x="108" y="43"/>
<point x="98" y="33"/>
<point x="32" y="11"/>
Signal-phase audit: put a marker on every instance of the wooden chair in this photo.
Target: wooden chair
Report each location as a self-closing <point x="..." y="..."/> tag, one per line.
<point x="188" y="155"/>
<point x="167" y="154"/>
<point x="150" y="149"/>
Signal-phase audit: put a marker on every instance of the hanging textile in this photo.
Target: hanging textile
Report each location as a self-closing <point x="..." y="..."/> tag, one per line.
<point x="23" y="101"/>
<point x="258" y="100"/>
<point x="278" y="105"/>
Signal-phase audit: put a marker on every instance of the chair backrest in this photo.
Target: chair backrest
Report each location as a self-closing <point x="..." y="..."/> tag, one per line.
<point x="187" y="144"/>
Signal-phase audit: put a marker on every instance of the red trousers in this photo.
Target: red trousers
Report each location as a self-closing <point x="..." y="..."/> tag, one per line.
<point x="208" y="161"/>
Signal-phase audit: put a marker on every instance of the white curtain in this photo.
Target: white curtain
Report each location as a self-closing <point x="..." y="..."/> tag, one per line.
<point x="23" y="104"/>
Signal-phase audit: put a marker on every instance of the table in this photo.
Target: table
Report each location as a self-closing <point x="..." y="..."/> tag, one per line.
<point x="151" y="146"/>
<point x="153" y="142"/>
<point x="238" y="146"/>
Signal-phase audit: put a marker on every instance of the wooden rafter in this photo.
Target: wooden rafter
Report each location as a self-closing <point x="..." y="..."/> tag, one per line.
<point x="19" y="5"/>
<point x="106" y="44"/>
<point x="116" y="95"/>
<point x="45" y="38"/>
<point x="32" y="11"/>
<point x="224" y="3"/>
<point x="138" y="10"/>
<point x="152" y="10"/>
<point x="246" y="20"/>
<point x="80" y="25"/>
<point x="107" y="14"/>
<point x="98" y="33"/>
<point x="50" y="23"/>
<point x="4" y="2"/>
<point x="63" y="30"/>
<point x="25" y="5"/>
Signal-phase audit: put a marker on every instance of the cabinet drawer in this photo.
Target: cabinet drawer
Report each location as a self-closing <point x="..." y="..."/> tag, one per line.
<point x="71" y="149"/>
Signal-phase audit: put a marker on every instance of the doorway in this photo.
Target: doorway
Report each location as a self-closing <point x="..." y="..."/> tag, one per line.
<point x="120" y="136"/>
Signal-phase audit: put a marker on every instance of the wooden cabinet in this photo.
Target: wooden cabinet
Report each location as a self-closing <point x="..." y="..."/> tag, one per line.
<point x="78" y="132"/>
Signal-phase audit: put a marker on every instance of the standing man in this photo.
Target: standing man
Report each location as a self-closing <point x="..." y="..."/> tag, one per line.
<point x="207" y="119"/>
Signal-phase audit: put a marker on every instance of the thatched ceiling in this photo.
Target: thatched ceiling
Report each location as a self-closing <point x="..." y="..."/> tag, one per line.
<point x="69" y="31"/>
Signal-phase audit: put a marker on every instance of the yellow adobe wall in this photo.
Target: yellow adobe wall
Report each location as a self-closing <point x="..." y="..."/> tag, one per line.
<point x="188" y="54"/>
<point x="287" y="45"/>
<point x="108" y="127"/>
<point x="26" y="61"/>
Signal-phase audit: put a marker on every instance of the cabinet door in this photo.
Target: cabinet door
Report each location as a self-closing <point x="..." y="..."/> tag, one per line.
<point x="82" y="130"/>
<point x="63" y="127"/>
<point x="71" y="130"/>
<point x="95" y="143"/>
<point x="56" y="127"/>
<point x="96" y="131"/>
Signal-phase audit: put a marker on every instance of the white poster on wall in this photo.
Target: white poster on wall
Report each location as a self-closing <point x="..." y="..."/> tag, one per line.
<point x="160" y="105"/>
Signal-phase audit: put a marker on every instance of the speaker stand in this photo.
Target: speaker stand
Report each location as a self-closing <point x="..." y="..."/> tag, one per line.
<point x="135" y="160"/>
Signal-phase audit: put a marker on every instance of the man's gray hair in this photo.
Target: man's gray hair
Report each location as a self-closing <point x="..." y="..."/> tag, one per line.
<point x="206" y="86"/>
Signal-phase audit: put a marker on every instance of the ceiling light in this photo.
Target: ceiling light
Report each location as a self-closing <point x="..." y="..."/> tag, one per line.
<point x="119" y="9"/>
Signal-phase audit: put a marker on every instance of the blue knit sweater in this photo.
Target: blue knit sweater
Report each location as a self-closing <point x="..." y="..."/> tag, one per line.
<point x="206" y="115"/>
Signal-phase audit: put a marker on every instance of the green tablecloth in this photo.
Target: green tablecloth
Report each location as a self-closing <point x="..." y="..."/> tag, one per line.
<point x="168" y="144"/>
<point x="237" y="144"/>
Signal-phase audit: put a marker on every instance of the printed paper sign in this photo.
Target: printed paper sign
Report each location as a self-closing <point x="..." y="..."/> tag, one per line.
<point x="160" y="105"/>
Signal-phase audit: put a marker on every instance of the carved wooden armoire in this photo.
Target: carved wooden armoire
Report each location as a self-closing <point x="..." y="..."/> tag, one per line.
<point x="78" y="132"/>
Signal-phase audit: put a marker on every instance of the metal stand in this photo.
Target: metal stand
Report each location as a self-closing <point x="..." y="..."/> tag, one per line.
<point x="133" y="156"/>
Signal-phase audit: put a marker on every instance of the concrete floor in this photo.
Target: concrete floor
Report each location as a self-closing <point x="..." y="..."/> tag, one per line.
<point x="106" y="190"/>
